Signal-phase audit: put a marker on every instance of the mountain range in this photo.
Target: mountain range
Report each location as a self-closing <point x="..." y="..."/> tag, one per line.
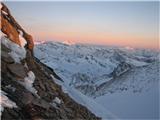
<point x="101" y="72"/>
<point x="53" y="80"/>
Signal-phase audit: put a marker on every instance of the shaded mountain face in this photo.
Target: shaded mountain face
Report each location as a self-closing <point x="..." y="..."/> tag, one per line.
<point x="28" y="86"/>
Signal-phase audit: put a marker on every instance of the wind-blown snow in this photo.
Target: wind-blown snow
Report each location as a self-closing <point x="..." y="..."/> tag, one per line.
<point x="17" y="53"/>
<point x="5" y="102"/>
<point x="28" y="82"/>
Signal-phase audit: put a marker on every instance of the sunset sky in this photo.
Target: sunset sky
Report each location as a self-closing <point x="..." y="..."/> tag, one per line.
<point x="133" y="24"/>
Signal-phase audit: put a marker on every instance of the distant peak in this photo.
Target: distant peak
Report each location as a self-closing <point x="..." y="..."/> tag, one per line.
<point x="39" y="42"/>
<point x="129" y="48"/>
<point x="68" y="42"/>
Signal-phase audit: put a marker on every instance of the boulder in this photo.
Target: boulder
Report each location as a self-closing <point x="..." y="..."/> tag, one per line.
<point x="27" y="98"/>
<point x="41" y="103"/>
<point x="18" y="70"/>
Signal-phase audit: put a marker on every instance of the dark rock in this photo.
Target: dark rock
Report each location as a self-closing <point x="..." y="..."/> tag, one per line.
<point x="42" y="103"/>
<point x="29" y="39"/>
<point x="18" y="70"/>
<point x="5" y="49"/>
<point x="27" y="98"/>
<point x="6" y="57"/>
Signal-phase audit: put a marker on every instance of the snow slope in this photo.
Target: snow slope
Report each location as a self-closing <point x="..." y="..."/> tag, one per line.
<point x="88" y="68"/>
<point x="109" y="76"/>
<point x="129" y="105"/>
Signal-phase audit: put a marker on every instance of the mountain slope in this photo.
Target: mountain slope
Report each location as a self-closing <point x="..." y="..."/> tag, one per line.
<point x="125" y="82"/>
<point x="94" y="70"/>
<point x="28" y="87"/>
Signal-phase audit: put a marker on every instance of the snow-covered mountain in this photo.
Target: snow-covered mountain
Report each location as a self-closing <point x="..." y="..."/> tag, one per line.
<point x="91" y="69"/>
<point x="68" y="81"/>
<point x="102" y="71"/>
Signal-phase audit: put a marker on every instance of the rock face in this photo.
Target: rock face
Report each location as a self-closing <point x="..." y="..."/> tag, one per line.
<point x="29" y="83"/>
<point x="17" y="69"/>
<point x="12" y="29"/>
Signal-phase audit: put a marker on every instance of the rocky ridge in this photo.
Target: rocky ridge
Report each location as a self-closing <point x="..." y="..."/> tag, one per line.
<point x="27" y="84"/>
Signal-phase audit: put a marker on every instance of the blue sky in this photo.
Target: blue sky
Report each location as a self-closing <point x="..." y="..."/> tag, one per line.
<point x="132" y="24"/>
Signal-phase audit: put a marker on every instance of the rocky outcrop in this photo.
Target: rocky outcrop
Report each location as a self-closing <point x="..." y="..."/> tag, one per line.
<point x="9" y="30"/>
<point x="12" y="29"/>
<point x="18" y="70"/>
<point x="29" y="84"/>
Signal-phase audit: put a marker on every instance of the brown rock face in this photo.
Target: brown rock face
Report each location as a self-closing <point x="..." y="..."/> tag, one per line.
<point x="10" y="31"/>
<point x="11" y="28"/>
<point x="29" y="39"/>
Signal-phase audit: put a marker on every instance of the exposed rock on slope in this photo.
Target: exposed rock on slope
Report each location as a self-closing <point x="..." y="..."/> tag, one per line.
<point x="27" y="83"/>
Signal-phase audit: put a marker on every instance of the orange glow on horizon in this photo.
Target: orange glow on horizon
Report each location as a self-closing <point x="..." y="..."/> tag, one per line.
<point x="100" y="39"/>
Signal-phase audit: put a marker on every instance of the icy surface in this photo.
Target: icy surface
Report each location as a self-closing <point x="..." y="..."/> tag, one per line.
<point x="17" y="53"/>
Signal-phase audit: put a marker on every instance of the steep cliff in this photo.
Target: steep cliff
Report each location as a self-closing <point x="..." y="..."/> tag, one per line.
<point x="28" y="88"/>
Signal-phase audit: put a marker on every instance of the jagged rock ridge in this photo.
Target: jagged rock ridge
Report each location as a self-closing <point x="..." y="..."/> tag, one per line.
<point x="28" y="84"/>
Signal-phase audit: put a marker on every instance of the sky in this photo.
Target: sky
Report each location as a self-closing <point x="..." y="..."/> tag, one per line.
<point x="133" y="24"/>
